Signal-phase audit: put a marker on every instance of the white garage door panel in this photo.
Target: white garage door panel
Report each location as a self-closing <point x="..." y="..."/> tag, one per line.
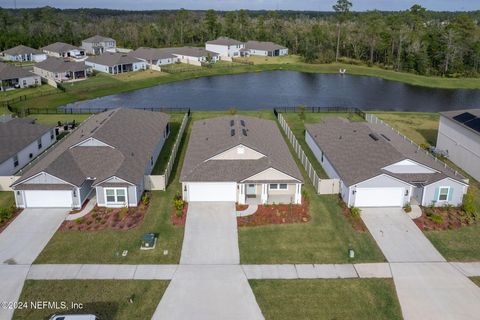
<point x="212" y="191"/>
<point x="379" y="197"/>
<point x="48" y="199"/>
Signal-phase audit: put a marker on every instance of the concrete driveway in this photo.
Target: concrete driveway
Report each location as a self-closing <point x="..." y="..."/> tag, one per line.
<point x="23" y="240"/>
<point x="398" y="236"/>
<point x="435" y="291"/>
<point x="210" y="234"/>
<point x="208" y="292"/>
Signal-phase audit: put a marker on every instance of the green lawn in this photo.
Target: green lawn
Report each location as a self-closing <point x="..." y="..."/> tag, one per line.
<point x="52" y="119"/>
<point x="325" y="239"/>
<point x="161" y="164"/>
<point x="6" y="199"/>
<point x="358" y="299"/>
<point x="108" y="299"/>
<point x="476" y="280"/>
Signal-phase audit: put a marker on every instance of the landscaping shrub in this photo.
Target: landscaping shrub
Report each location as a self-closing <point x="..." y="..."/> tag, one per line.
<point x="146" y="199"/>
<point x="436" y="218"/>
<point x="232" y="111"/>
<point x="178" y="204"/>
<point x="123" y="213"/>
<point x="355" y="212"/>
<point x="469" y="205"/>
<point x="79" y="220"/>
<point x="407" y="208"/>
<point x="6" y="214"/>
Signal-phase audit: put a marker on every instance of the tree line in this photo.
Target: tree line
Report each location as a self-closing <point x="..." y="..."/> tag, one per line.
<point x="415" y="40"/>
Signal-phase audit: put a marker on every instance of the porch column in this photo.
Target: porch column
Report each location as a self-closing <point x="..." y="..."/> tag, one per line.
<point x="264" y="196"/>
<point x="241" y="193"/>
<point x="298" y="193"/>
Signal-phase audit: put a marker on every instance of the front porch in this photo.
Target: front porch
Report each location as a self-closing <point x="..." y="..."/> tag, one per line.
<point x="269" y="193"/>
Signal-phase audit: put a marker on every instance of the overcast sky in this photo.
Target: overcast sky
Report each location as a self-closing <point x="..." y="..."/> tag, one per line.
<point x="323" y="5"/>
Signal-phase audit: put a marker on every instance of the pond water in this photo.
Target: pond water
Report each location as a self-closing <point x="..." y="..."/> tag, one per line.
<point x="271" y="89"/>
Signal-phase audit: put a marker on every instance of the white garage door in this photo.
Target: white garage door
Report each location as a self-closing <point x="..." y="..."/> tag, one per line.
<point x="212" y="191"/>
<point x="48" y="199"/>
<point x="379" y="197"/>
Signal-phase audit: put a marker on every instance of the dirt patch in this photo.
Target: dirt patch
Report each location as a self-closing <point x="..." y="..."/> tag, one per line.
<point x="5" y="224"/>
<point x="355" y="221"/>
<point x="443" y="219"/>
<point x="176" y="218"/>
<point x="101" y="218"/>
<point x="277" y="214"/>
<point x="241" y="207"/>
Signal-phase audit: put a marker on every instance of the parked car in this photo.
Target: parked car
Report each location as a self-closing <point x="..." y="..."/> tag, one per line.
<point x="74" y="317"/>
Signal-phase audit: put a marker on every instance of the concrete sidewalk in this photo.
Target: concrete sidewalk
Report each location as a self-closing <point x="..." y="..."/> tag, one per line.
<point x="12" y="278"/>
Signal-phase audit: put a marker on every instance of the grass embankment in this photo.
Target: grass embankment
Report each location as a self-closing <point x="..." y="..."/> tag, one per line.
<point x="327" y="299"/>
<point x="104" y="84"/>
<point x="324" y="239"/>
<point x="108" y="299"/>
<point x="6" y="199"/>
<point x="161" y="164"/>
<point x="455" y="245"/>
<point x="476" y="280"/>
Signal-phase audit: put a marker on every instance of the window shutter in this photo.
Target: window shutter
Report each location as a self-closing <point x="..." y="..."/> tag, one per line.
<point x="450" y="194"/>
<point x="437" y="191"/>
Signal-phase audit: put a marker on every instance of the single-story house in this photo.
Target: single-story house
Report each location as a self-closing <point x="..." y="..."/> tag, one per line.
<point x="15" y="77"/>
<point x="23" y="53"/>
<point x="459" y="138"/>
<point x="22" y="140"/>
<point x="63" y="50"/>
<point x="379" y="168"/>
<point x="240" y="159"/>
<point x="263" y="48"/>
<point x="115" y="63"/>
<point x="226" y="47"/>
<point x="109" y="154"/>
<point x="99" y="44"/>
<point x="60" y="69"/>
<point x="154" y="56"/>
<point x="193" y="55"/>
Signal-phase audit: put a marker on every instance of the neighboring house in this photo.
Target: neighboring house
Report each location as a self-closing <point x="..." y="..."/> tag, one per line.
<point x="154" y="56"/>
<point x="21" y="140"/>
<point x="63" y="50"/>
<point x="23" y="53"/>
<point x="109" y="154"/>
<point x="459" y="136"/>
<point x="378" y="168"/>
<point x="193" y="55"/>
<point x="260" y="48"/>
<point x="60" y="70"/>
<point x="240" y="159"/>
<point x="99" y="44"/>
<point x="227" y="48"/>
<point x="15" y="77"/>
<point x="115" y="63"/>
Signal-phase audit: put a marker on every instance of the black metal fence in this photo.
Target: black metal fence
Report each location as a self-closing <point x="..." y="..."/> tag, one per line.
<point x="33" y="111"/>
<point x="300" y="109"/>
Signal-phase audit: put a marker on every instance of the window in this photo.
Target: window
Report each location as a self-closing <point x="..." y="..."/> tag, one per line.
<point x="15" y="160"/>
<point x="116" y="195"/>
<point x="283" y="186"/>
<point x="273" y="186"/>
<point x="443" y="193"/>
<point x="121" y="195"/>
<point x="39" y="143"/>
<point x="110" y="195"/>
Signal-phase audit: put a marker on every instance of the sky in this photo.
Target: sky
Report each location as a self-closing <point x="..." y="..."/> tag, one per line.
<point x="321" y="5"/>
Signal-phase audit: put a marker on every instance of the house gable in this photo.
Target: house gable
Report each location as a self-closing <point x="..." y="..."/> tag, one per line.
<point x="42" y="178"/>
<point x="239" y="152"/>
<point x="408" y="166"/>
<point x="270" y="174"/>
<point x="91" y="142"/>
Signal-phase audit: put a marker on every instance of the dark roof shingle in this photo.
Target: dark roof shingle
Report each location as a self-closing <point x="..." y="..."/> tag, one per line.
<point x="8" y="71"/>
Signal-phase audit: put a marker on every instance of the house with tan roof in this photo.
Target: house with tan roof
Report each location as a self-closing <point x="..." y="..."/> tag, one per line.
<point x="63" y="50"/>
<point x="115" y="63"/>
<point x="61" y="70"/>
<point x="239" y="159"/>
<point x="23" y="53"/>
<point x="379" y="168"/>
<point x="13" y="77"/>
<point x="108" y="154"/>
<point x="99" y="44"/>
<point x="264" y="48"/>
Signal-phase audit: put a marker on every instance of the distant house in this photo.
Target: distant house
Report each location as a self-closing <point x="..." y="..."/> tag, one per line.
<point x="63" y="50"/>
<point x="99" y="44"/>
<point x="379" y="168"/>
<point x="115" y="63"/>
<point x="23" y="53"/>
<point x="154" y="56"/>
<point x="60" y="70"/>
<point x="459" y="136"/>
<point x="227" y="48"/>
<point x="261" y="48"/>
<point x="193" y="55"/>
<point x="15" y="77"/>
<point x="22" y="140"/>
<point x="239" y="159"/>
<point x="108" y="154"/>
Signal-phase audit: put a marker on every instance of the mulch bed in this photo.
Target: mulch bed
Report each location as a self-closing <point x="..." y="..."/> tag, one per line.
<point x="101" y="218"/>
<point x="241" y="207"/>
<point x="442" y="219"/>
<point x="5" y="224"/>
<point x="176" y="220"/>
<point x="355" y="222"/>
<point x="277" y="214"/>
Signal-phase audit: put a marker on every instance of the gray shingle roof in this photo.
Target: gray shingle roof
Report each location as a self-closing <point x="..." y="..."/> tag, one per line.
<point x="8" y="71"/>
<point x="60" y="65"/>
<point x="191" y="52"/>
<point x="357" y="157"/>
<point x="60" y="47"/>
<point x="113" y="58"/>
<point x="224" y="41"/>
<point x="210" y="137"/>
<point x="17" y="134"/>
<point x="98" y="38"/>
<point x="21" y="49"/>
<point x="133" y="134"/>
<point x="152" y="54"/>
<point x="451" y="114"/>
<point x="262" y="45"/>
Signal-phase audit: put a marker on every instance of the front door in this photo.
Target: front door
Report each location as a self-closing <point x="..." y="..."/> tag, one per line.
<point x="251" y="189"/>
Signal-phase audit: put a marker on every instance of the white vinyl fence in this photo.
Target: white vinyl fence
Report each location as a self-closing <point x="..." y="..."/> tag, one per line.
<point x="6" y="182"/>
<point x="160" y="182"/>
<point x="322" y="186"/>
